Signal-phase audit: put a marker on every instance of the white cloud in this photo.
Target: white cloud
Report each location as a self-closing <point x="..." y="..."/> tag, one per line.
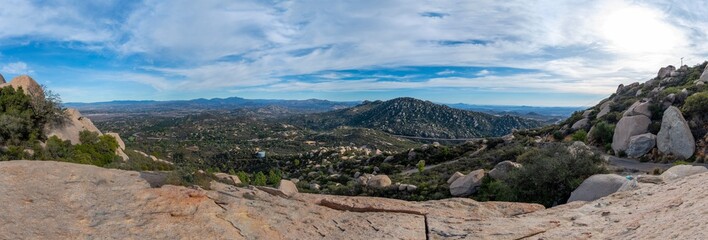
<point x="16" y="68"/>
<point x="576" y="45"/>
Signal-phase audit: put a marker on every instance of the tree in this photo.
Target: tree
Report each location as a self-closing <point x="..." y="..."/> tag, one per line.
<point x="274" y="177"/>
<point x="421" y="166"/>
<point x="259" y="179"/>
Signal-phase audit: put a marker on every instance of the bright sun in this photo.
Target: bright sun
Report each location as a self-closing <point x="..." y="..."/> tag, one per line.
<point x="636" y="29"/>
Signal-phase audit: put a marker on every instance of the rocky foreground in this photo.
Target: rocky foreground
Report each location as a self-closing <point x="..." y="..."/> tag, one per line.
<point x="53" y="200"/>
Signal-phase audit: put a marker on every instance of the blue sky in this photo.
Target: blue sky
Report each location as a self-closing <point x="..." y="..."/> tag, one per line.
<point x="543" y="53"/>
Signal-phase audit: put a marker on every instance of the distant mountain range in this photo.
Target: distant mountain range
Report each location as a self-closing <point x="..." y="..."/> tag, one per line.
<point x="309" y="105"/>
<point x="414" y="117"/>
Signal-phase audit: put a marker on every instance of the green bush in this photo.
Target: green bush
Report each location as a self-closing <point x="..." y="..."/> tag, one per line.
<point x="548" y="177"/>
<point x="580" y="135"/>
<point x="696" y="105"/>
<point x="259" y="179"/>
<point x="421" y="166"/>
<point x="602" y="133"/>
<point x="243" y="176"/>
<point x="274" y="177"/>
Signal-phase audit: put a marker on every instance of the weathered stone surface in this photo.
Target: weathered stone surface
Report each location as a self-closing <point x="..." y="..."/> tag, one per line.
<point x="379" y="181"/>
<point x="640" y="145"/>
<point x="638" y="108"/>
<point x="85" y="202"/>
<point x="454" y="177"/>
<point x="231" y="179"/>
<point x="287" y="187"/>
<point x="501" y="170"/>
<point x="597" y="186"/>
<point x="704" y="76"/>
<point x="587" y="113"/>
<point x="681" y="171"/>
<point x="467" y="185"/>
<point x="604" y="109"/>
<point x="580" y="124"/>
<point x="626" y="128"/>
<point x="675" y="136"/>
<point x="71" y="127"/>
<point x="665" y="72"/>
<point x="28" y="85"/>
<point x="653" y="179"/>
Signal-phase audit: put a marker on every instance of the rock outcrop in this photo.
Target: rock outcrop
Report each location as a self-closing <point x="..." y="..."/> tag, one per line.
<point x="2" y="79"/>
<point x="665" y="72"/>
<point x="28" y="85"/>
<point x="454" y="177"/>
<point x="501" y="170"/>
<point x="597" y="186"/>
<point x="231" y="179"/>
<point x="704" y="76"/>
<point x="626" y="128"/>
<point x="374" y="181"/>
<point x="640" y="145"/>
<point x="71" y="127"/>
<point x="287" y="187"/>
<point x="467" y="185"/>
<point x="81" y="201"/>
<point x="675" y="136"/>
<point x="604" y="109"/>
<point x="638" y="108"/>
<point x="681" y="171"/>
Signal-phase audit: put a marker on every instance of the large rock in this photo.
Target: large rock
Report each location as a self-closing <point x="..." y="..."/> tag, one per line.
<point x="604" y="109"/>
<point x="231" y="179"/>
<point x="287" y="187"/>
<point x="2" y="79"/>
<point x="675" y="136"/>
<point x="28" y="85"/>
<point x="626" y="128"/>
<point x="454" y="177"/>
<point x="71" y="127"/>
<point x="665" y="72"/>
<point x="72" y="201"/>
<point x="597" y="186"/>
<point x="467" y="185"/>
<point x="579" y="147"/>
<point x="379" y="182"/>
<point x="640" y="145"/>
<point x="638" y="108"/>
<point x="704" y="76"/>
<point x="681" y="171"/>
<point x="501" y="170"/>
<point x="581" y="124"/>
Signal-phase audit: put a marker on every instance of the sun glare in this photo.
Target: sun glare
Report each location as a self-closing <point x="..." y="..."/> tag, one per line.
<point x="636" y="29"/>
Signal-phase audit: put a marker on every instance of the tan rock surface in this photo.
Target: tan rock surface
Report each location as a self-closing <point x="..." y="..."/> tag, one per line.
<point x="80" y="201"/>
<point x="70" y="129"/>
<point x="29" y="85"/>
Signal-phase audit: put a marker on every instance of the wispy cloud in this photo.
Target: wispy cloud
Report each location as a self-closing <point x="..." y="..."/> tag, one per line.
<point x="16" y="68"/>
<point x="586" y="46"/>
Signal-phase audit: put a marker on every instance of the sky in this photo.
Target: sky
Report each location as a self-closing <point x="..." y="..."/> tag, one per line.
<point x="537" y="53"/>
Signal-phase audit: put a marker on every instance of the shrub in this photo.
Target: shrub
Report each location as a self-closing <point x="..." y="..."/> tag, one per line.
<point x="580" y="135"/>
<point x="274" y="177"/>
<point x="259" y="179"/>
<point x="696" y="104"/>
<point x="602" y="133"/>
<point x="243" y="176"/>
<point x="421" y="166"/>
<point x="548" y="177"/>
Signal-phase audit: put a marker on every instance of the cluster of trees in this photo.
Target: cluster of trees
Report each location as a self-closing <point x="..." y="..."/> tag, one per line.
<point x="548" y="177"/>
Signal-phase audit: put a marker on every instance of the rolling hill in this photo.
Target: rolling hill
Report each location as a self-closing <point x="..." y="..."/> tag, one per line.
<point x="414" y="117"/>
